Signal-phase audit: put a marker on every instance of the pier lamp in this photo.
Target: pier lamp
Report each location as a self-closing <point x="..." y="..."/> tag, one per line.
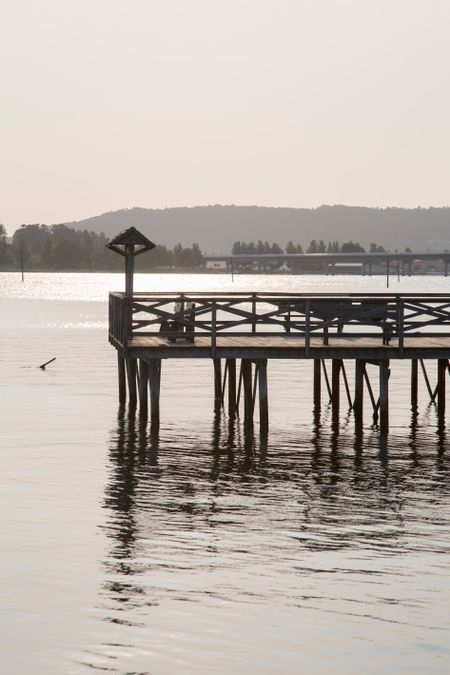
<point x="130" y="243"/>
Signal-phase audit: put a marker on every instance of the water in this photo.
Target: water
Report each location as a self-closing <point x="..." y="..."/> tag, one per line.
<point x="207" y="549"/>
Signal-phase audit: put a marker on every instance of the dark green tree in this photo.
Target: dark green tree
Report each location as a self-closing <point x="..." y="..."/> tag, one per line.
<point x="375" y="248"/>
<point x="352" y="247"/>
<point x="47" y="255"/>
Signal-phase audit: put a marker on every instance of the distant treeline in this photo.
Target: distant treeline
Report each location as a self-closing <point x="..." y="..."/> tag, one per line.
<point x="58" y="247"/>
<point x="260" y="247"/>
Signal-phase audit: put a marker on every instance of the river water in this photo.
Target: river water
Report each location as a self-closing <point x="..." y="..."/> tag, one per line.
<point x="207" y="549"/>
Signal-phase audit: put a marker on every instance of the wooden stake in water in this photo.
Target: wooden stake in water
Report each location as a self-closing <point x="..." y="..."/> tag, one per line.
<point x="47" y="362"/>
<point x="21" y="263"/>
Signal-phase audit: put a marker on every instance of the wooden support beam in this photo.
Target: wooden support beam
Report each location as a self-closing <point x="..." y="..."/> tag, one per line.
<point x="442" y="376"/>
<point x="358" y="404"/>
<point x="255" y="384"/>
<point x="327" y="381"/>
<point x="263" y="399"/>
<point x="336" y="366"/>
<point x="154" y="372"/>
<point x="238" y="397"/>
<point x="347" y="388"/>
<point x="122" y="378"/>
<point x="131" y="377"/>
<point x="372" y="397"/>
<point x="246" y="368"/>
<point x="143" y="387"/>
<point x="317" y="384"/>
<point x="224" y="383"/>
<point x="435" y="393"/>
<point x="384" y="397"/>
<point x="414" y="383"/>
<point x="231" y="366"/>
<point x="427" y="381"/>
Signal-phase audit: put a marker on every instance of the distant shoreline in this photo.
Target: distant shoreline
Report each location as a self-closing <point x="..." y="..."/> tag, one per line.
<point x="303" y="273"/>
<point x="90" y="271"/>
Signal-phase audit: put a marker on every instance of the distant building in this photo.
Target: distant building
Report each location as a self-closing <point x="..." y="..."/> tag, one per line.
<point x="216" y="265"/>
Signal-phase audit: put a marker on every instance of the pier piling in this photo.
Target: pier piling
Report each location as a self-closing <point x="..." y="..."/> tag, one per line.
<point x="246" y="368"/>
<point x="231" y="368"/>
<point x="336" y="366"/>
<point x="154" y="371"/>
<point x="131" y="377"/>
<point x="414" y="383"/>
<point x="442" y="373"/>
<point x="358" y="402"/>
<point x="143" y="387"/>
<point x="384" y="396"/>
<point x="217" y="383"/>
<point x="263" y="399"/>
<point x="317" y="383"/>
<point x="121" y="378"/>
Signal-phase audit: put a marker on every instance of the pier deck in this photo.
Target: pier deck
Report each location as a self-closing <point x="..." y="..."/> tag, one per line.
<point x="289" y="346"/>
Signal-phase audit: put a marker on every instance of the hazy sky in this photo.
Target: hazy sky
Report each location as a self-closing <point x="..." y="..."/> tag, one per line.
<point x="107" y="104"/>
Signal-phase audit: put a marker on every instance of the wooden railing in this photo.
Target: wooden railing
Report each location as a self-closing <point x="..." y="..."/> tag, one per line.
<point x="175" y="315"/>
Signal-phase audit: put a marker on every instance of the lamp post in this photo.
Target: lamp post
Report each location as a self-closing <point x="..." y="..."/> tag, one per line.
<point x="130" y="243"/>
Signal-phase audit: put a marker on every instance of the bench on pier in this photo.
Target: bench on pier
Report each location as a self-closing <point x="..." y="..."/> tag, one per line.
<point x="177" y="326"/>
<point x="369" y="313"/>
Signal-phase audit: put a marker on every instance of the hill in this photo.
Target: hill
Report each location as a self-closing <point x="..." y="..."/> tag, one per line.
<point x="216" y="227"/>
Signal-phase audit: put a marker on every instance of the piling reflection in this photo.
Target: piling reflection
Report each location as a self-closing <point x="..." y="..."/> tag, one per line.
<point x="178" y="498"/>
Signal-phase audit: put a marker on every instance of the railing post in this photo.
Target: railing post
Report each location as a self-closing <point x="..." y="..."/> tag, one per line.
<point x="307" y="327"/>
<point x="254" y="312"/>
<point x="110" y="316"/>
<point x="213" y="329"/>
<point x="126" y="323"/>
<point x="400" y="315"/>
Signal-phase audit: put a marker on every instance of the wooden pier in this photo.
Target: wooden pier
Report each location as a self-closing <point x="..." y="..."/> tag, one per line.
<point x="242" y="332"/>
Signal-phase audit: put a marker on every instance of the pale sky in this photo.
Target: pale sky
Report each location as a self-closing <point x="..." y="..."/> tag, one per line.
<point x="109" y="104"/>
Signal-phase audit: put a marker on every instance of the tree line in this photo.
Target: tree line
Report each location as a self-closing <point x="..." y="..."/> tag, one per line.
<point x="260" y="247"/>
<point x="58" y="247"/>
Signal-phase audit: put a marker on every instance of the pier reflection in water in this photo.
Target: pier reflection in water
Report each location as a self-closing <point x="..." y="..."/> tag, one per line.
<point x="271" y="553"/>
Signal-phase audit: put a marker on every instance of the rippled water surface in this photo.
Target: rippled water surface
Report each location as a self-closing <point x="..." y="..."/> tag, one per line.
<point x="208" y="548"/>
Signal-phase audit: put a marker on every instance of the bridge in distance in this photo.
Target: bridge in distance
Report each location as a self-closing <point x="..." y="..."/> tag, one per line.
<point x="328" y="263"/>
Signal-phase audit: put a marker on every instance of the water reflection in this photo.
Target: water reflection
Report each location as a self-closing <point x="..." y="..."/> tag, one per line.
<point x="188" y="512"/>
